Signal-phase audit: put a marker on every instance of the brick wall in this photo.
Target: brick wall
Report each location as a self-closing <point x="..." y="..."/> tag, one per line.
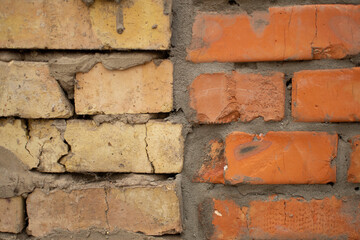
<point x="191" y="119"/>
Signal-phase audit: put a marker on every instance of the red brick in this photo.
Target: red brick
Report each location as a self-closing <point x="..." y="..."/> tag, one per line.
<point x="222" y="98"/>
<point x="354" y="169"/>
<point x="274" y="158"/>
<point x="12" y="213"/>
<point x="281" y="33"/>
<point x="287" y="219"/>
<point x="326" y="95"/>
<point x="212" y="169"/>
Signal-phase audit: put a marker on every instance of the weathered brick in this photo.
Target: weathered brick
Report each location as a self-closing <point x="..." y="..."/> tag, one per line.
<point x="281" y="33"/>
<point x="354" y="169"/>
<point x="119" y="147"/>
<point x="326" y="95"/>
<point x="47" y="144"/>
<point x="71" y="24"/>
<point x="286" y="219"/>
<point x="274" y="158"/>
<point x="165" y="145"/>
<point x="12" y="214"/>
<point x="222" y="98"/>
<point x="13" y="137"/>
<point x="28" y="91"/>
<point x="212" y="169"/>
<point x="142" y="89"/>
<point x="152" y="210"/>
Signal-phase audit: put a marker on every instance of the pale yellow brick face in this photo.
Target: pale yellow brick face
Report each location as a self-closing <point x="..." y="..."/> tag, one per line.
<point x="116" y="147"/>
<point x="12" y="213"/>
<point x="27" y="90"/>
<point x="142" y="89"/>
<point x="59" y="24"/>
<point x="165" y="146"/>
<point x="13" y="136"/>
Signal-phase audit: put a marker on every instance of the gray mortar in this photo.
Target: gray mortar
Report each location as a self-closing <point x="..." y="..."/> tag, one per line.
<point x="15" y="180"/>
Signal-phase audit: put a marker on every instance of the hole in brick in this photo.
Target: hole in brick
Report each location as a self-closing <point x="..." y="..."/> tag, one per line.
<point x="357" y="188"/>
<point x="233" y="2"/>
<point x="289" y="83"/>
<point x="330" y="183"/>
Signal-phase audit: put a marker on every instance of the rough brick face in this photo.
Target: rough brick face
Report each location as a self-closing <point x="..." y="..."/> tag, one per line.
<point x="71" y="24"/>
<point x="326" y="95"/>
<point x="354" y="169"/>
<point x="281" y="33"/>
<point x="153" y="210"/>
<point x="141" y="89"/>
<point x="28" y="91"/>
<point x="222" y="98"/>
<point x="12" y="213"/>
<point x="120" y="147"/>
<point x="286" y="219"/>
<point x="13" y="137"/>
<point x="274" y="158"/>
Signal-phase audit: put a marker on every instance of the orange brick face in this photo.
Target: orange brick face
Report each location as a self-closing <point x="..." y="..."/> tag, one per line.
<point x="326" y="95"/>
<point x="286" y="219"/>
<point x="223" y="98"/>
<point x="354" y="169"/>
<point x="276" y="158"/>
<point x="281" y="33"/>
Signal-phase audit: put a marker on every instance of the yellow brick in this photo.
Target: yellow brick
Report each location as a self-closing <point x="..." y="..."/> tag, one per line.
<point x="142" y="89"/>
<point x="59" y="24"/>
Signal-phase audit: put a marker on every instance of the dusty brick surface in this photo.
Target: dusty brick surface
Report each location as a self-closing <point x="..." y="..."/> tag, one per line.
<point x="28" y="91"/>
<point x="13" y="137"/>
<point x="47" y="144"/>
<point x="286" y="219"/>
<point x="281" y="33"/>
<point x="326" y="95"/>
<point x="12" y="214"/>
<point x="142" y="89"/>
<point x="273" y="158"/>
<point x="354" y="168"/>
<point x="72" y="25"/>
<point x="165" y="146"/>
<point x="212" y="169"/>
<point x="222" y="98"/>
<point x="155" y="147"/>
<point x="152" y="210"/>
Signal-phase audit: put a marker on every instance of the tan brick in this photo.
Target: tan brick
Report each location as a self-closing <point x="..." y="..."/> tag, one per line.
<point x="77" y="210"/>
<point x="13" y="136"/>
<point x="47" y="144"/>
<point x="116" y="147"/>
<point x="59" y="24"/>
<point x="152" y="210"/>
<point x="28" y="90"/>
<point x="120" y="147"/>
<point x="142" y="89"/>
<point x="165" y="146"/>
<point x="12" y="217"/>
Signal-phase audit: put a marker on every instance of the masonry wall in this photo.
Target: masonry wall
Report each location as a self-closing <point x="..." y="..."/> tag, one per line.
<point x="192" y="119"/>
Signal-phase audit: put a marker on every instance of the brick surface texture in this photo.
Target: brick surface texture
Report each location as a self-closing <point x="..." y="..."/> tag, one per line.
<point x="179" y="119"/>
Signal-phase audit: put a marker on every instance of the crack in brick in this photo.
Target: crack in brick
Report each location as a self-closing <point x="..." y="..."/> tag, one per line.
<point x="146" y="150"/>
<point x="107" y="209"/>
